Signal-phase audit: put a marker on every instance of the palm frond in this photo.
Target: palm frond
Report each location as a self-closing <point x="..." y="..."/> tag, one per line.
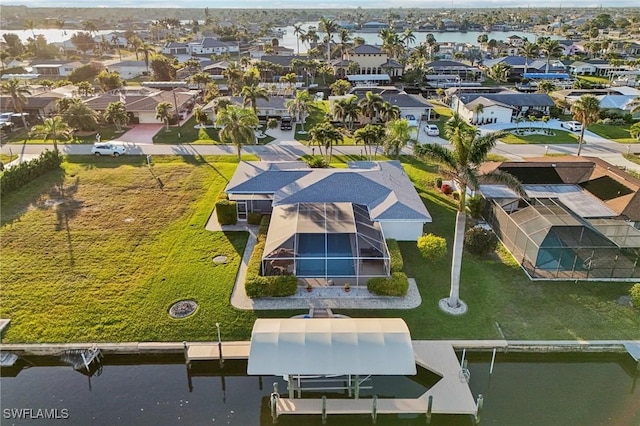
<point x="437" y="153"/>
<point x="507" y="179"/>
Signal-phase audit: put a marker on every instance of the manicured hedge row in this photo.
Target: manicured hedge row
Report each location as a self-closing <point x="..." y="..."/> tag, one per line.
<point x="26" y="172"/>
<point x="257" y="285"/>
<point x="226" y="212"/>
<point x="398" y="283"/>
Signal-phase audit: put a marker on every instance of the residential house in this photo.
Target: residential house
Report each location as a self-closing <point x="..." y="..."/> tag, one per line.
<point x="516" y="41"/>
<point x="175" y="48"/>
<point x="38" y="107"/>
<point x="329" y="222"/>
<point x="259" y="51"/>
<point x="55" y="68"/>
<point x="579" y="222"/>
<point x="501" y="107"/>
<point x="129" y="69"/>
<point x="274" y="107"/>
<point x="370" y="59"/>
<point x="211" y="46"/>
<point x="459" y="70"/>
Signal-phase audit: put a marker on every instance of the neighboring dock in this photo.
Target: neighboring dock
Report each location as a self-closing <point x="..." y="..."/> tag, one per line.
<point x="212" y="351"/>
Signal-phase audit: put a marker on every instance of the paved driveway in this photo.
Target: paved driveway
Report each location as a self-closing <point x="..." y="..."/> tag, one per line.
<point x="141" y="133"/>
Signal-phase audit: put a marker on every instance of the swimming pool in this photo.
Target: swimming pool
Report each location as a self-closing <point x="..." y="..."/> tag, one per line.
<point x="323" y="255"/>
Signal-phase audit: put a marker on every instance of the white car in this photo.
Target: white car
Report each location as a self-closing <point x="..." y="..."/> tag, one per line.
<point x="431" y="130"/>
<point x="413" y="122"/>
<point x="108" y="149"/>
<point x="574" y="126"/>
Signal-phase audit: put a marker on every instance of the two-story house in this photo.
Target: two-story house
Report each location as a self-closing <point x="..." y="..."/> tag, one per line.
<point x="370" y="59"/>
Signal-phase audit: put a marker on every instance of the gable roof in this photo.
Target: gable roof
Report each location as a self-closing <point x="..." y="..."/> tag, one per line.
<point x="367" y="49"/>
<point x="513" y="99"/>
<point x="381" y="186"/>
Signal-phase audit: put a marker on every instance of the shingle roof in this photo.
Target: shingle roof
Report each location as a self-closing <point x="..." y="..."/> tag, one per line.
<point x="383" y="187"/>
<point x="285" y="61"/>
<point x="513" y="99"/>
<point x="365" y="49"/>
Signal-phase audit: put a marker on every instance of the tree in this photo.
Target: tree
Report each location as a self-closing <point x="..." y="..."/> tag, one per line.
<point x="586" y="110"/>
<point x="500" y="72"/>
<point x="251" y="94"/>
<point x="83" y="42"/>
<point x="461" y="164"/>
<point x="108" y="80"/>
<point x="370" y="135"/>
<point x="345" y="39"/>
<point x="325" y="135"/>
<point x="299" y="106"/>
<point x="85" y="88"/>
<point x="529" y="51"/>
<point x="551" y="48"/>
<point x="347" y="110"/>
<point x="330" y="27"/>
<point x="164" y="112"/>
<point x="397" y="136"/>
<point x="634" y="105"/>
<point x="17" y="92"/>
<point x="162" y="69"/>
<point x="238" y="126"/>
<point x="634" y="131"/>
<point x="79" y="115"/>
<point x="211" y="92"/>
<point x="52" y="128"/>
<point x="200" y="115"/>
<point x="340" y="87"/>
<point x="432" y="247"/>
<point x="146" y="50"/>
<point x="116" y="113"/>
<point x="201" y="79"/>
<point x="233" y="74"/>
<point x="370" y="105"/>
<point x="546" y="86"/>
<point x="298" y="32"/>
<point x="389" y="112"/>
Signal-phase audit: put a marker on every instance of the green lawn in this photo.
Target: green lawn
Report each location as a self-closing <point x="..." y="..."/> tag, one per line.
<point x="107" y="132"/>
<point x="187" y="133"/>
<point x="317" y="114"/>
<point x="560" y="137"/>
<point x="125" y="242"/>
<point x="617" y="133"/>
<point x="594" y="79"/>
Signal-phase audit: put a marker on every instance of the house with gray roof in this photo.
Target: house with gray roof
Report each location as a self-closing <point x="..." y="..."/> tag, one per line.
<point x="500" y="107"/>
<point x="370" y="59"/>
<point x="329" y="223"/>
<point x="211" y="46"/>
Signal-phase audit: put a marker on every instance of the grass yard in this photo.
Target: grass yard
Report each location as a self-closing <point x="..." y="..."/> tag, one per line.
<point x="187" y="133"/>
<point x="560" y="137"/>
<point x="615" y="132"/>
<point x="100" y="250"/>
<point x="594" y="79"/>
<point x="107" y="132"/>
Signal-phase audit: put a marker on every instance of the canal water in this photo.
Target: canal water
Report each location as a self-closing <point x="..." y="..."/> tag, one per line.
<point x="524" y="389"/>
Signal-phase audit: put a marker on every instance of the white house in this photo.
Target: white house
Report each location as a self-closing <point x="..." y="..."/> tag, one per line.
<point x="129" y="69"/>
<point x="212" y="46"/>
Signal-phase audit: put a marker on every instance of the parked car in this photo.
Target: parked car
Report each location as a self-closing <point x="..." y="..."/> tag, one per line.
<point x="286" y="123"/>
<point x="431" y="130"/>
<point x="413" y="122"/>
<point x="108" y="149"/>
<point x="574" y="126"/>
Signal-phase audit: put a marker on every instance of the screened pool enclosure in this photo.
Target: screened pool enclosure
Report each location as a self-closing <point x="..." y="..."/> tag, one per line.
<point x="324" y="240"/>
<point x="550" y="242"/>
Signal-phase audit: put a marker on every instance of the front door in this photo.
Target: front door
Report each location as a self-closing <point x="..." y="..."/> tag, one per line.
<point x="242" y="210"/>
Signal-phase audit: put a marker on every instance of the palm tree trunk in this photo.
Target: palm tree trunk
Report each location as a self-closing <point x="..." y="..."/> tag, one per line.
<point x="456" y="263"/>
<point x="239" y="147"/>
<point x="581" y="141"/>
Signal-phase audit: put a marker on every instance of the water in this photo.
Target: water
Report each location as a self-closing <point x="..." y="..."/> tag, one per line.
<point x="532" y="389"/>
<point x="52" y="35"/>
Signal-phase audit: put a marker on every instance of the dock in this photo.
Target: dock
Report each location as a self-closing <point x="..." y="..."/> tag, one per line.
<point x="450" y="395"/>
<point x="211" y="351"/>
<point x="633" y="349"/>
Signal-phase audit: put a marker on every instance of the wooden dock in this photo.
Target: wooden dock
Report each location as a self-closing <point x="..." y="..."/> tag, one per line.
<point x="450" y="395"/>
<point x="211" y="351"/>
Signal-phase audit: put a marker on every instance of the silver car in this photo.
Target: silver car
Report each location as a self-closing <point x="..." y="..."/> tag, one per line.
<point x="108" y="149"/>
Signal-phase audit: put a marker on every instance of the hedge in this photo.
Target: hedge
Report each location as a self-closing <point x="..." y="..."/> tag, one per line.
<point x="257" y="285"/>
<point x="226" y="212"/>
<point x="17" y="176"/>
<point x="480" y="241"/>
<point x="398" y="283"/>
<point x="254" y="218"/>
<point x="634" y="292"/>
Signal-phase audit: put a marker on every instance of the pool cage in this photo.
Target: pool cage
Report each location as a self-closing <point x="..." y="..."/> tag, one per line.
<point x="325" y="240"/>
<point x="550" y="242"/>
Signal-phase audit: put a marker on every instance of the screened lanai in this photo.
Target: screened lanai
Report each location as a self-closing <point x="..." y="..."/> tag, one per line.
<point x="551" y="242"/>
<point x="324" y="240"/>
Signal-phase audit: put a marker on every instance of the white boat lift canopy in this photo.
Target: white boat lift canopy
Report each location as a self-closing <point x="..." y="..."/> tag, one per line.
<point x="331" y="346"/>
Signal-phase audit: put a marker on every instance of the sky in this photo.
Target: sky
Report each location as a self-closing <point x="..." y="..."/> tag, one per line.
<point x="289" y="4"/>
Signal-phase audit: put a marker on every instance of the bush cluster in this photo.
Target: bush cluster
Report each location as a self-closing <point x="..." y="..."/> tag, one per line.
<point x="226" y="212"/>
<point x="432" y="247"/>
<point x="257" y="285"/>
<point x="480" y="241"/>
<point x="26" y="172"/>
<point x="395" y="285"/>
<point x="254" y="218"/>
<point x="317" y="162"/>
<point x="634" y="292"/>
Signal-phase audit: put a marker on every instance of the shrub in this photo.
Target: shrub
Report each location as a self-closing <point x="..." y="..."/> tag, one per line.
<point x="480" y="241"/>
<point x="13" y="178"/>
<point x="254" y="218"/>
<point x="317" y="163"/>
<point x="257" y="285"/>
<point x="395" y="255"/>
<point x="438" y="182"/>
<point x="226" y="212"/>
<point x="432" y="247"/>
<point x="634" y="292"/>
<point x="396" y="285"/>
<point x="475" y="206"/>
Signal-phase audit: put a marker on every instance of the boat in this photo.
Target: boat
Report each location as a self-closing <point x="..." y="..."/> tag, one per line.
<point x="8" y="359"/>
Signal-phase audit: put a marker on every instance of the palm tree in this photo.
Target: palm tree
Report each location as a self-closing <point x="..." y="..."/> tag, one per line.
<point x="546" y="86"/>
<point x="551" y="48"/>
<point x="347" y="110"/>
<point x="17" y="92"/>
<point x="397" y="136"/>
<point x="529" y="51"/>
<point x="115" y="41"/>
<point x="116" y="112"/>
<point x="370" y="105"/>
<point x="299" y="106"/>
<point x="233" y="74"/>
<point x="30" y="25"/>
<point x="634" y="105"/>
<point x="136" y="43"/>
<point x="389" y="112"/>
<point x="298" y="32"/>
<point x="251" y="94"/>
<point x="370" y="135"/>
<point x="586" y="110"/>
<point x="345" y="39"/>
<point x="324" y="134"/>
<point x="164" y="112"/>
<point x="238" y="126"/>
<point x="200" y="115"/>
<point x="85" y="88"/>
<point x="52" y="128"/>
<point x="431" y="44"/>
<point x="408" y="37"/>
<point x="500" y="72"/>
<point x="201" y="79"/>
<point x="146" y="49"/>
<point x="461" y="164"/>
<point x="479" y="109"/>
<point x="330" y="27"/>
